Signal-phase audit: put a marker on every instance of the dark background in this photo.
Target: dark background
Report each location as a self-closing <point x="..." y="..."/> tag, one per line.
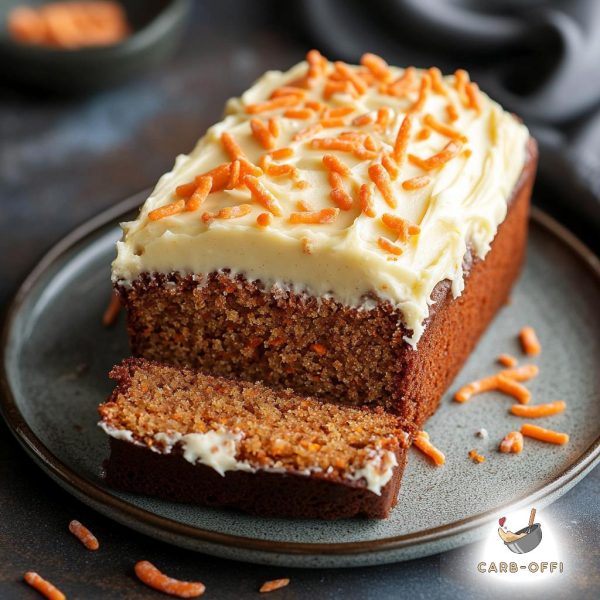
<point x="63" y="160"/>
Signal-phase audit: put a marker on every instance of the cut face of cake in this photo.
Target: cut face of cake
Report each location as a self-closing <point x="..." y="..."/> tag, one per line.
<point x="346" y="231"/>
<point x="189" y="437"/>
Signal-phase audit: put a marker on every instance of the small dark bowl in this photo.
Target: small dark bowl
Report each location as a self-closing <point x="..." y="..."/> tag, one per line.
<point x="157" y="28"/>
<point x="527" y="543"/>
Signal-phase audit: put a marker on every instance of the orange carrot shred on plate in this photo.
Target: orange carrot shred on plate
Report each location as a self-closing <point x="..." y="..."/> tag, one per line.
<point x="421" y="441"/>
<point x="522" y="373"/>
<point x="331" y="123"/>
<point x="513" y="388"/>
<point x="275" y="584"/>
<point x="384" y="115"/>
<point x="388" y="246"/>
<point x="476" y="457"/>
<point x="43" y="587"/>
<point x="539" y="410"/>
<point x="339" y="111"/>
<point x="274" y="126"/>
<point x="231" y="146"/>
<point x="403" y="85"/>
<point x="364" y="119"/>
<point x="84" y="535"/>
<point x="438" y="160"/>
<point x="338" y="194"/>
<point x="365" y="196"/>
<point x="315" y="217"/>
<point x="262" y="195"/>
<point x="233" y="212"/>
<point x="287" y="90"/>
<point x="147" y="573"/>
<point x="112" y="311"/>
<point x="167" y="210"/>
<point x="416" y="183"/>
<point x="379" y="176"/>
<point x="204" y="186"/>
<point x="402" y="138"/>
<point x="512" y="442"/>
<point x="220" y="176"/>
<point x="544" y="435"/>
<point x="234" y="179"/>
<point x="486" y="384"/>
<point x="261" y="134"/>
<point x="444" y="129"/>
<point x="316" y="67"/>
<point x="529" y="341"/>
<point x="507" y="360"/>
<point x="423" y="134"/>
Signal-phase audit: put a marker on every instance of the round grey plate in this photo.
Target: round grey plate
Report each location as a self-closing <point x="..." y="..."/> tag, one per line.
<point x="57" y="355"/>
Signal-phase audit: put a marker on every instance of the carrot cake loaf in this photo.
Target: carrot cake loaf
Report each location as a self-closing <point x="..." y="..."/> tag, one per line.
<point x="347" y="232"/>
<point x="185" y="436"/>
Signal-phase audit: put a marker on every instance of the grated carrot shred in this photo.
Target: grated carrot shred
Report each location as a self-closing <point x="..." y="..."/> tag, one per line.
<point x="424" y="90"/>
<point x="476" y="457"/>
<point x="544" y="435"/>
<point x="316" y="217"/>
<point x="274" y="127"/>
<point x="381" y="179"/>
<point x="513" y="388"/>
<point x="474" y="97"/>
<point x="539" y="410"/>
<point x="390" y="166"/>
<point x="444" y="129"/>
<point x="84" y="535"/>
<point x="334" y="164"/>
<point x="384" y="116"/>
<point x="43" y="587"/>
<point x="201" y="192"/>
<point x="274" y="104"/>
<point x="281" y="153"/>
<point x="308" y="132"/>
<point x="388" y="246"/>
<point x="167" y="210"/>
<point x="400" y="226"/>
<point x="231" y="212"/>
<point x="377" y="66"/>
<point x="422" y="442"/>
<point x="342" y="145"/>
<point x="109" y="318"/>
<point x="529" y="341"/>
<point x="507" y="360"/>
<point x="402" y="138"/>
<point x="298" y="113"/>
<point x="335" y="87"/>
<point x="416" y="183"/>
<point x="275" y="584"/>
<point x="512" y="442"/>
<point x="450" y="150"/>
<point x="262" y="195"/>
<point x="147" y="573"/>
<point x="437" y="81"/>
<point x="365" y="197"/>
<point x="231" y="146"/>
<point x="263" y="220"/>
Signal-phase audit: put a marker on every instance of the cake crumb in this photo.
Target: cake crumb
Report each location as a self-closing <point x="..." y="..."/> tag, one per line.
<point x="482" y="433"/>
<point x="275" y="584"/>
<point x="476" y="457"/>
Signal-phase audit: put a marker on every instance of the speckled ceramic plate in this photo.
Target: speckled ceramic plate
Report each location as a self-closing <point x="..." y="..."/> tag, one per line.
<point x="57" y="355"/>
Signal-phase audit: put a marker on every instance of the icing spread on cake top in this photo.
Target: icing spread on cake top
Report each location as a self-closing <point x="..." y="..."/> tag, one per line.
<point x="351" y="182"/>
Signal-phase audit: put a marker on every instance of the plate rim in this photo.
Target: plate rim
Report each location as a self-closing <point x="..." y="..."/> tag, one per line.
<point x="87" y="490"/>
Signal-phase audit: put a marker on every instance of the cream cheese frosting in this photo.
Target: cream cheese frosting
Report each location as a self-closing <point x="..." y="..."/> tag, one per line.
<point x="217" y="449"/>
<point x="460" y="206"/>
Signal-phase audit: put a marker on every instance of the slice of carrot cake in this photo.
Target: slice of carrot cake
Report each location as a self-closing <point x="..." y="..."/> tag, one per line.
<point x="346" y="231"/>
<point x="189" y="437"/>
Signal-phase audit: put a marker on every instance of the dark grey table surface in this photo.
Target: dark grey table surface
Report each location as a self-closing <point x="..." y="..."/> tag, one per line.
<point x="62" y="160"/>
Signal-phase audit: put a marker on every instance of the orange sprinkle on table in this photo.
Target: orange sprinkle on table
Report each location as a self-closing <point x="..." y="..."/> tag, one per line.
<point x="112" y="311"/>
<point x="401" y="143"/>
<point x="269" y="105"/>
<point x="274" y="126"/>
<point x="319" y="349"/>
<point x="84" y="535"/>
<point x="444" y="129"/>
<point x="343" y="69"/>
<point x="400" y="226"/>
<point x="205" y="185"/>
<point x="363" y="120"/>
<point x="424" y="90"/>
<point x="275" y="584"/>
<point x="381" y="179"/>
<point x="544" y="435"/>
<point x="461" y="79"/>
<point x="262" y="134"/>
<point x="423" y="134"/>
<point x="167" y="210"/>
<point x="262" y="195"/>
<point x="513" y="388"/>
<point x="298" y="113"/>
<point x="377" y="66"/>
<point x="476" y="457"/>
<point x="390" y="166"/>
<point x="472" y="91"/>
<point x="231" y="146"/>
<point x="308" y="132"/>
<point x="416" y="183"/>
<point x="450" y="150"/>
<point x="507" y="360"/>
<point x="147" y="573"/>
<point x="43" y="587"/>
<point x="539" y="410"/>
<point x="529" y="341"/>
<point x="365" y="197"/>
<point x="422" y="442"/>
<point x="281" y="153"/>
<point x="388" y="246"/>
<point x="334" y="164"/>
<point x="437" y="82"/>
<point x="512" y="442"/>
<point x="263" y="220"/>
<point x="452" y="112"/>
<point x="315" y="217"/>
